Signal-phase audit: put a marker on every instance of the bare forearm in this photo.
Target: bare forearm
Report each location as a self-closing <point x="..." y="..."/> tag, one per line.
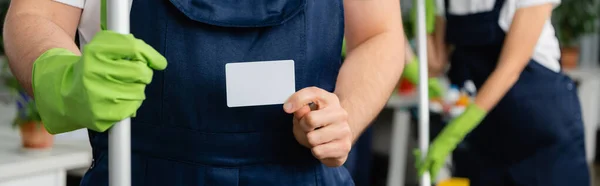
<point x="27" y="36"/>
<point x="432" y="57"/>
<point x="439" y="37"/>
<point x="368" y="77"/>
<point x="518" y="47"/>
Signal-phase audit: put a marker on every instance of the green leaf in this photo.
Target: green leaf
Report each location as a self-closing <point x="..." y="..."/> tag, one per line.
<point x="575" y="18"/>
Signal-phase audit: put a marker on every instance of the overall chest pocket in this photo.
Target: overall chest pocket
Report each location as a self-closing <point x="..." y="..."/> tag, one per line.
<point x="240" y="13"/>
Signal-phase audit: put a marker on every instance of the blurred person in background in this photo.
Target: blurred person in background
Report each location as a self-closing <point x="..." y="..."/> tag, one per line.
<point x="525" y="126"/>
<point x="184" y="133"/>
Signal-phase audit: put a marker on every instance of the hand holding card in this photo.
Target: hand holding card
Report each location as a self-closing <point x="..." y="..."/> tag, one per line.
<point x="325" y="130"/>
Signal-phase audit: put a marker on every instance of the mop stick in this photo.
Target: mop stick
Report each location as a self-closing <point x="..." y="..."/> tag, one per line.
<point x="423" y="92"/>
<point x="119" y="141"/>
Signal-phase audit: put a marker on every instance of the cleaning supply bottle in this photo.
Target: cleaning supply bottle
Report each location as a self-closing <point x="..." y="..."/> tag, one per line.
<point x="436" y="106"/>
<point x="470" y="88"/>
<point x="456" y="111"/>
<point x="449" y="104"/>
<point x="452" y="95"/>
<point x="455" y="182"/>
<point x="463" y="99"/>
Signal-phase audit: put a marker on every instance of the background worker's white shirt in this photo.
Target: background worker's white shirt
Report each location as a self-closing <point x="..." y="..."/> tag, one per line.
<point x="547" y="50"/>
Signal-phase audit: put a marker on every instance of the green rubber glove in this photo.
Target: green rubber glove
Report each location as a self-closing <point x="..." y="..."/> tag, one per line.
<point x="448" y="139"/>
<point x="430" y="12"/>
<point x="411" y="73"/>
<point x="97" y="89"/>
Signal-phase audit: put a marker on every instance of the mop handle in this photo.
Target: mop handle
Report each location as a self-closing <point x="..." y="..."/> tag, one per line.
<point x="119" y="136"/>
<point x="423" y="92"/>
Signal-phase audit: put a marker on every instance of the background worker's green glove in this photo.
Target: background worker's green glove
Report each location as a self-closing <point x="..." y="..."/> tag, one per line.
<point x="430" y="12"/>
<point x="411" y="73"/>
<point x="102" y="86"/>
<point x="448" y="139"/>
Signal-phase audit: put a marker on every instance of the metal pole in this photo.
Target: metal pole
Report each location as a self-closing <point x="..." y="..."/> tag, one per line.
<point x="119" y="141"/>
<point x="423" y="92"/>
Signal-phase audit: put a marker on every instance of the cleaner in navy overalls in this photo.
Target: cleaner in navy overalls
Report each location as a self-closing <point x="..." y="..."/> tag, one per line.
<point x="183" y="133"/>
<point x="525" y="126"/>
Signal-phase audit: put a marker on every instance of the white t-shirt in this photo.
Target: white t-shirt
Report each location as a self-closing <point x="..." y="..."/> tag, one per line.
<point x="89" y="23"/>
<point x="547" y="50"/>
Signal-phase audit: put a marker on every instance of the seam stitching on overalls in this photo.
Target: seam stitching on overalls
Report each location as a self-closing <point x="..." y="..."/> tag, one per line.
<point x="164" y="74"/>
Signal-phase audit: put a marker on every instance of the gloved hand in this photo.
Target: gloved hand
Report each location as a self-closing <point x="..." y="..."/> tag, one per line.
<point x="430" y="13"/>
<point x="97" y="89"/>
<point x="448" y="139"/>
<point x="411" y="73"/>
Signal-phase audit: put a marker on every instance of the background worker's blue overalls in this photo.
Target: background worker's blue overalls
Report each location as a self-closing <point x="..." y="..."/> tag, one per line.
<point x="534" y="136"/>
<point x="184" y="133"/>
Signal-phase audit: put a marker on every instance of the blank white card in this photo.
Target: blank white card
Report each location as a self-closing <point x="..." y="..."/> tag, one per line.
<point x="259" y="83"/>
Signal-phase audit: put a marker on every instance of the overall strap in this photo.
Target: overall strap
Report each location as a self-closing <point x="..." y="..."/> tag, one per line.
<point x="477" y="29"/>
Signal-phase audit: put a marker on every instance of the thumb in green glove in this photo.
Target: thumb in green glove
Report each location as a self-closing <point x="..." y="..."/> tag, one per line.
<point x="411" y="73"/>
<point x="448" y="139"/>
<point x="97" y="89"/>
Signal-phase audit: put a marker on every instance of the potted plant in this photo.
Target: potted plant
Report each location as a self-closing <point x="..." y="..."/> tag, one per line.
<point x="33" y="133"/>
<point x="27" y="119"/>
<point x="573" y="19"/>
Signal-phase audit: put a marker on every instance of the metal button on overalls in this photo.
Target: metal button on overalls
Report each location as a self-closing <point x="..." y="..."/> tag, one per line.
<point x="570" y="86"/>
<point x="184" y="133"/>
<point x="532" y="136"/>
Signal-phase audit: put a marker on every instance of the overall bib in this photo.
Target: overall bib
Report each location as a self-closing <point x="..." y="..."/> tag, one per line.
<point x="534" y="136"/>
<point x="184" y="133"/>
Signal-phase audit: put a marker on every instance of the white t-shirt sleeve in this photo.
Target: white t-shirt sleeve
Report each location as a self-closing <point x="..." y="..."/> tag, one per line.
<point x="546" y="51"/>
<point x="440" y="8"/>
<point x="528" y="3"/>
<point x="75" y="3"/>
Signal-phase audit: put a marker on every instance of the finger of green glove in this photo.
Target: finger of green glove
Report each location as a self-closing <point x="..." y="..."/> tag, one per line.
<point x="424" y="167"/>
<point x="110" y="92"/>
<point x="124" y="46"/>
<point x="417" y="155"/>
<point x="108" y="102"/>
<point x="435" y="168"/>
<point x="104" y="122"/>
<point x="124" y="71"/>
<point x="154" y="59"/>
<point x="106" y="114"/>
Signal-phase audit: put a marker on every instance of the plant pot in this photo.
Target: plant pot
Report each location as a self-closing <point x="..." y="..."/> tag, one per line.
<point x="35" y="136"/>
<point x="569" y="57"/>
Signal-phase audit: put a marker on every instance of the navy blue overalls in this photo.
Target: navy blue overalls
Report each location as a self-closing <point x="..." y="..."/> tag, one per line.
<point x="184" y="133"/>
<point x="534" y="136"/>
